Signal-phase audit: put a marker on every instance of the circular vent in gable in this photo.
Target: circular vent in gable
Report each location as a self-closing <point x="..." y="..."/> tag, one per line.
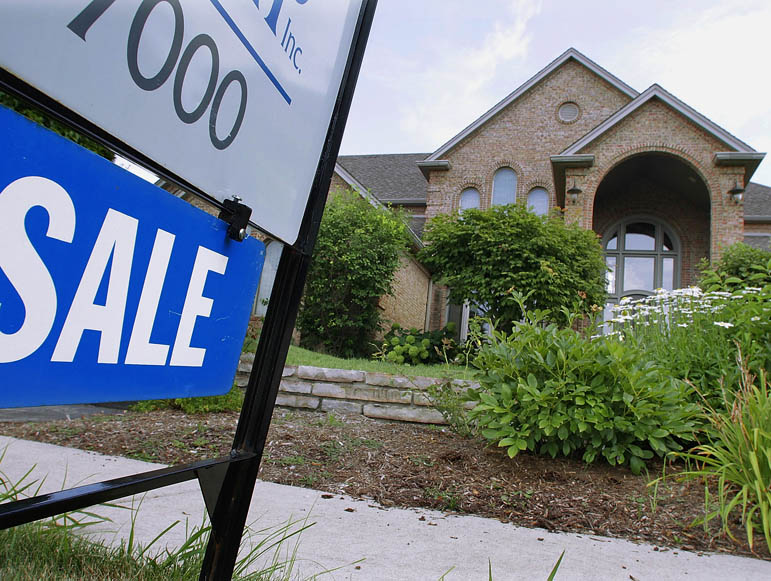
<point x="568" y="112"/>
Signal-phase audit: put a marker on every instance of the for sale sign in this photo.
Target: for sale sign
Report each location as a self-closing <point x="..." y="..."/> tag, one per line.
<point x="110" y="288"/>
<point x="234" y="96"/>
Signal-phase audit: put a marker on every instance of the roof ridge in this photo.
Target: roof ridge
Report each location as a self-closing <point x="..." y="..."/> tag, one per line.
<point x="570" y="53"/>
<point x="657" y="91"/>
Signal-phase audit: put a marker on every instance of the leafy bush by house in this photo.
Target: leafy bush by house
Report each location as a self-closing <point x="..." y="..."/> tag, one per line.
<point x="414" y="347"/>
<point x="485" y="256"/>
<point x="740" y="265"/>
<point x="552" y="390"/>
<point x="356" y="255"/>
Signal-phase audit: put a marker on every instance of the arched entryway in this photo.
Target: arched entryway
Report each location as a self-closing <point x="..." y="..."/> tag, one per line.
<point x="652" y="211"/>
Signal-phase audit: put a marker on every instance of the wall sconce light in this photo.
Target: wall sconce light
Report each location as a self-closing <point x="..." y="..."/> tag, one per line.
<point x="573" y="193"/>
<point x="737" y="192"/>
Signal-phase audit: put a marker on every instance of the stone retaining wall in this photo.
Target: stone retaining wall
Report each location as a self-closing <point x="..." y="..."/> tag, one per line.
<point x="375" y="395"/>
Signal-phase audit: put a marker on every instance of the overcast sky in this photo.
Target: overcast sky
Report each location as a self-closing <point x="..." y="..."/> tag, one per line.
<point x="434" y="66"/>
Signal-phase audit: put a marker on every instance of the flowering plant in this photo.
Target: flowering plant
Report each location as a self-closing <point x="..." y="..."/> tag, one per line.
<point x="695" y="334"/>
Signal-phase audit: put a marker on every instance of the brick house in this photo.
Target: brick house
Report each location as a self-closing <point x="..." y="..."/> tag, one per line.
<point x="662" y="185"/>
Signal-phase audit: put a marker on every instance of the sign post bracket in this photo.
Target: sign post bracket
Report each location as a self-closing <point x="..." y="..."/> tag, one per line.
<point x="237" y="216"/>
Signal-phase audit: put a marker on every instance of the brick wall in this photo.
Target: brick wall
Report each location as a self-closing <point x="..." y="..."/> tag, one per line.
<point x="407" y="305"/>
<point x="757" y="228"/>
<point x="523" y="136"/>
<point x="655" y="127"/>
<point x="689" y="221"/>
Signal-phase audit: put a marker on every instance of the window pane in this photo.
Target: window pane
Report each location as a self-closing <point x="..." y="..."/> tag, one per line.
<point x="538" y="201"/>
<point x="610" y="261"/>
<point x="469" y="198"/>
<point x="613" y="242"/>
<point x="638" y="273"/>
<point x="668" y="274"/>
<point x="640" y="236"/>
<point x="666" y="243"/>
<point x="504" y="187"/>
<point x="607" y="315"/>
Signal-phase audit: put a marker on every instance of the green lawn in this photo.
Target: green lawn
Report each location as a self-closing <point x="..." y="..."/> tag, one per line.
<point x="300" y="356"/>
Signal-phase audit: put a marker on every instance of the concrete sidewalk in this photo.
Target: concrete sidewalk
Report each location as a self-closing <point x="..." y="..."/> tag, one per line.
<point x="396" y="544"/>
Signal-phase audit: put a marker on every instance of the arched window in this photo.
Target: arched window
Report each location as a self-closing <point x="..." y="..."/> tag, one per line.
<point x="469" y="198"/>
<point x="504" y="187"/>
<point x="538" y="201"/>
<point x="642" y="255"/>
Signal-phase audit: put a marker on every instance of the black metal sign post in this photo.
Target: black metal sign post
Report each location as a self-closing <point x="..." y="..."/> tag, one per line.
<point x="227" y="483"/>
<point x="235" y="494"/>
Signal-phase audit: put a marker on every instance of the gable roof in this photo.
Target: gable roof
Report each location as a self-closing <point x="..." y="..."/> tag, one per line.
<point x="391" y="178"/>
<point x="657" y="92"/>
<point x="571" y="53"/>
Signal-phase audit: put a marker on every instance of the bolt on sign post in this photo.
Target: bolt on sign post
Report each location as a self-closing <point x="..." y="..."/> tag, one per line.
<point x="113" y="289"/>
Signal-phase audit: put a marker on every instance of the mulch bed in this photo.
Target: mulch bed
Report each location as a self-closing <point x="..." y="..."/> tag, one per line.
<point x="405" y="465"/>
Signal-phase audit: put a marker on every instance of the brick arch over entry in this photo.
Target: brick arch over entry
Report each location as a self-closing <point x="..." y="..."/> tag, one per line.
<point x="665" y="187"/>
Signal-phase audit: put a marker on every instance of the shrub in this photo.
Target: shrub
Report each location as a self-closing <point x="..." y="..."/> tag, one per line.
<point x="553" y="390"/>
<point x="450" y="401"/>
<point x="751" y="266"/>
<point x="356" y="255"/>
<point x="419" y="347"/>
<point x="486" y="256"/>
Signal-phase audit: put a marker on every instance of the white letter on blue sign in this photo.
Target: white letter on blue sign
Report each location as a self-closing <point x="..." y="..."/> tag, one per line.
<point x="140" y="350"/>
<point x="22" y="264"/>
<point x="196" y="305"/>
<point x="116" y="238"/>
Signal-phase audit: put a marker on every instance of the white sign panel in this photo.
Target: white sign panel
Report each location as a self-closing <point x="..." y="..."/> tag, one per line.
<point x="234" y="96"/>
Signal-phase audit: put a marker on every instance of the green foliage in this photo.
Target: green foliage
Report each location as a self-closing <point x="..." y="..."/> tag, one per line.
<point x="41" y="118"/>
<point x="485" y="256"/>
<point x="410" y="346"/>
<point x="553" y="391"/>
<point x="229" y="402"/>
<point x="449" y="400"/>
<point x="49" y="549"/>
<point x="737" y="458"/>
<point x="356" y="255"/>
<point x="751" y="266"/>
<point x="694" y="335"/>
<point x="252" y="335"/>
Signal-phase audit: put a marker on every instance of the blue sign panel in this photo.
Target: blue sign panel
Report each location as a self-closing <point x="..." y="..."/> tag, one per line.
<point x="111" y="289"/>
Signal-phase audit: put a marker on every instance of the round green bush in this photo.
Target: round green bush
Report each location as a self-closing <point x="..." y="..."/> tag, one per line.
<point x="552" y="390"/>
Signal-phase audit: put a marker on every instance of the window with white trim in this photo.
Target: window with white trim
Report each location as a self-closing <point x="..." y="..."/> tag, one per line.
<point x="469" y="198"/>
<point x="504" y="187"/>
<point x="538" y="201"/>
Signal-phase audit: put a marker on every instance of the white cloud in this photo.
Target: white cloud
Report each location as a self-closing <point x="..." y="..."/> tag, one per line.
<point x="450" y="93"/>
<point x="716" y="61"/>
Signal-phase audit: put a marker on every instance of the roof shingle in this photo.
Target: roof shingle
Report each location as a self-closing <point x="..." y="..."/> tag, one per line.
<point x="391" y="177"/>
<point x="757" y="200"/>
